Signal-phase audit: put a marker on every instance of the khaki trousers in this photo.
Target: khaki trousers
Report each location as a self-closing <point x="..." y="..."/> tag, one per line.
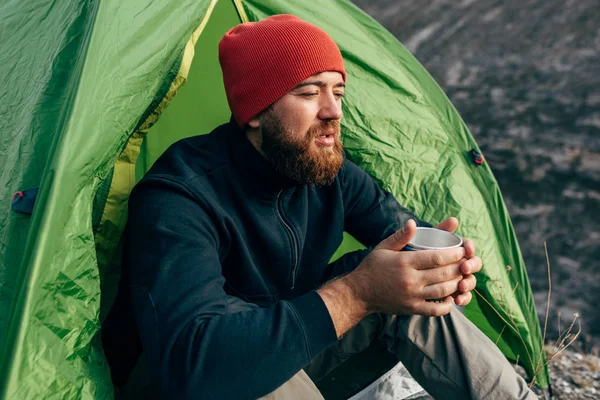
<point x="448" y="356"/>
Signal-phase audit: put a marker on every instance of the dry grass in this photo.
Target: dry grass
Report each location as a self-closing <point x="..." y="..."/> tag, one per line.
<point x="565" y="338"/>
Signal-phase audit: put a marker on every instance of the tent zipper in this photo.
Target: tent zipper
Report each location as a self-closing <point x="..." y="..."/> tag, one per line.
<point x="293" y="239"/>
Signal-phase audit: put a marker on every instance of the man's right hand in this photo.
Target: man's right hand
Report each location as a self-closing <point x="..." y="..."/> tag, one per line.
<point x="395" y="282"/>
<point x="401" y="282"/>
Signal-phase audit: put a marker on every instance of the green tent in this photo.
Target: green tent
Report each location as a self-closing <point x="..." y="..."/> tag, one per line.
<point x="85" y="82"/>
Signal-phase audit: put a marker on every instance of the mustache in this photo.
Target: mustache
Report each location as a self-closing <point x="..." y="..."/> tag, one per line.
<point x="325" y="127"/>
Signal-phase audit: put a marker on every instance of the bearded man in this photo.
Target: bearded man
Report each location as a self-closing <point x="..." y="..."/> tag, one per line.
<point x="227" y="286"/>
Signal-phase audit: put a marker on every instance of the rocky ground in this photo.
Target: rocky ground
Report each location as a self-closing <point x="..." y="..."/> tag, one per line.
<point x="525" y="77"/>
<point x="574" y="376"/>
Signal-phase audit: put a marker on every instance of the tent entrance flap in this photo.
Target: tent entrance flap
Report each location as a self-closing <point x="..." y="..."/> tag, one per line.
<point x="200" y="105"/>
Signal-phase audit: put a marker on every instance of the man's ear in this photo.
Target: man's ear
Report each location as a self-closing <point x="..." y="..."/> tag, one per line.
<point x="254" y="123"/>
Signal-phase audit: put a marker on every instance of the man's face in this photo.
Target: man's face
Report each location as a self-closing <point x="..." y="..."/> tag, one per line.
<point x="301" y="130"/>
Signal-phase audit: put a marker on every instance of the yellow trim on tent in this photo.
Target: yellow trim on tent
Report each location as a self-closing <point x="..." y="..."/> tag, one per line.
<point x="114" y="216"/>
<point x="240" y="10"/>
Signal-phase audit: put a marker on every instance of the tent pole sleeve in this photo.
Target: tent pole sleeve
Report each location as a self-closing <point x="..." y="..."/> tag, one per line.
<point x="240" y="10"/>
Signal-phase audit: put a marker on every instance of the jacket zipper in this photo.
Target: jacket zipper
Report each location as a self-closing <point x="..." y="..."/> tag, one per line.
<point x="295" y="249"/>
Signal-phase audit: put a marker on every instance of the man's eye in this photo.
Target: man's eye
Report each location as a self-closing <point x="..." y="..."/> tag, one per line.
<point x="339" y="95"/>
<point x="308" y="94"/>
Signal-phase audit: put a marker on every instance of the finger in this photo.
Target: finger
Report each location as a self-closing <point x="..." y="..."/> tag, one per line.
<point x="433" y="309"/>
<point x="441" y="290"/>
<point x="467" y="284"/>
<point x="471" y="266"/>
<point x="449" y="224"/>
<point x="463" y="299"/>
<point x="400" y="238"/>
<point x="427" y="259"/>
<point x="441" y="274"/>
<point x="470" y="247"/>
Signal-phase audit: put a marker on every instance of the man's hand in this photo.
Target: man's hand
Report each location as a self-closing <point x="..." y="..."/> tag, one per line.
<point x="471" y="265"/>
<point x="400" y="282"/>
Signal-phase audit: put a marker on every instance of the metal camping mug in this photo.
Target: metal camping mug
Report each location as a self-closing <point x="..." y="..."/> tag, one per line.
<point x="433" y="239"/>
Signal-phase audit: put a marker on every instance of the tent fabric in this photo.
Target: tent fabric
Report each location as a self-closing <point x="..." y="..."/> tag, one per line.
<point x="114" y="216"/>
<point x="83" y="82"/>
<point x="79" y="75"/>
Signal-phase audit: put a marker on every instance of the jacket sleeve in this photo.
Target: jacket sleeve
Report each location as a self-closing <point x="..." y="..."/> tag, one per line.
<point x="370" y="213"/>
<point x="200" y="341"/>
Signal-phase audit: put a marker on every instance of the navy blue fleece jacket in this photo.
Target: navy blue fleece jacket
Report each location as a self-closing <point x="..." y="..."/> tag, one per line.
<point x="221" y="261"/>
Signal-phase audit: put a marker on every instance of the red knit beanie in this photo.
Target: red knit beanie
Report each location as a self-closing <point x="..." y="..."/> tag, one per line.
<point x="262" y="61"/>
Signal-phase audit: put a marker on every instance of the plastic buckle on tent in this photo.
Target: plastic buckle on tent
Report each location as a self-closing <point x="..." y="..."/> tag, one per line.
<point x="477" y="157"/>
<point x="23" y="201"/>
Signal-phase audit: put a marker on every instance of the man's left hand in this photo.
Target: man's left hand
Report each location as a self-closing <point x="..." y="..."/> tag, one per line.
<point x="471" y="264"/>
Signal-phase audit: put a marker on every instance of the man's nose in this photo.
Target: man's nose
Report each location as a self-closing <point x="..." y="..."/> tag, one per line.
<point x="331" y="108"/>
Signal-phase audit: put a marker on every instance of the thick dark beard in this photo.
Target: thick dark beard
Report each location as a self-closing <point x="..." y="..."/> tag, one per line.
<point x="297" y="159"/>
